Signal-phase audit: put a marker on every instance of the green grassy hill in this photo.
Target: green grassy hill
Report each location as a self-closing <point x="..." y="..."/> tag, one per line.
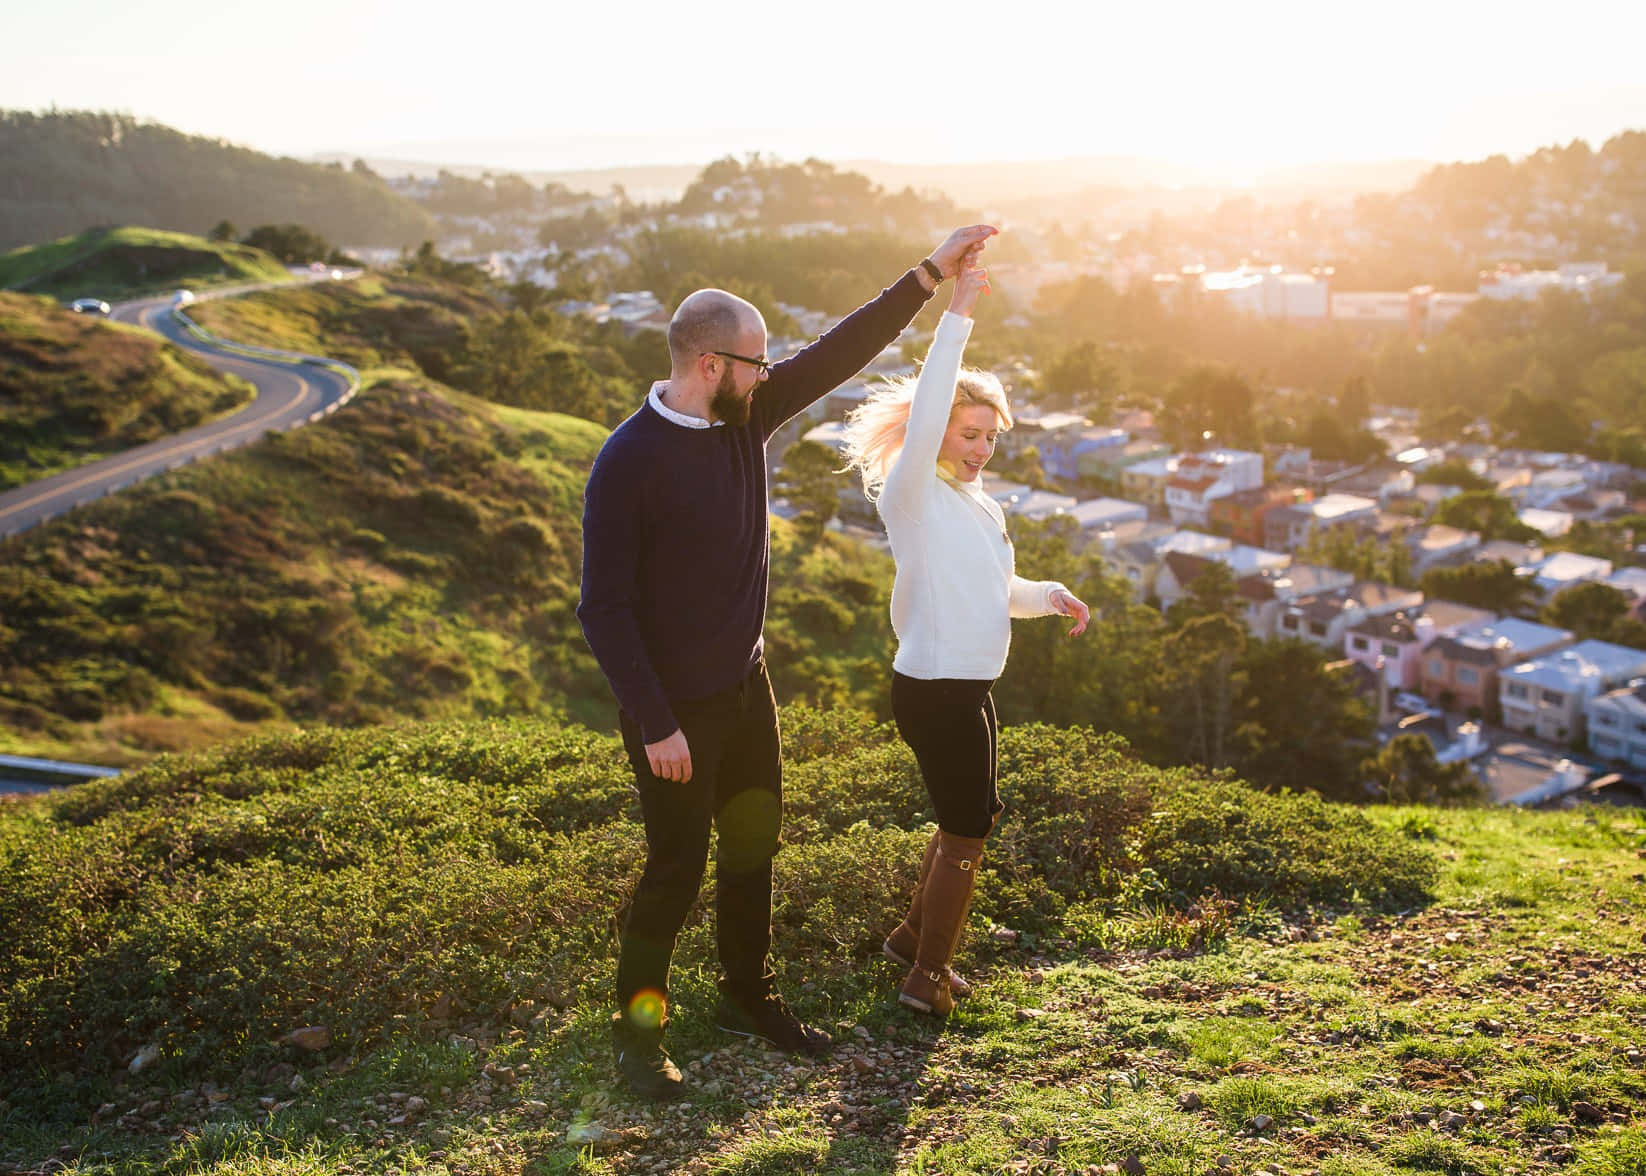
<point x="412" y="555"/>
<point x="127" y="262"/>
<point x="75" y="388"/>
<point x="67" y="170"/>
<point x="1176" y="973"/>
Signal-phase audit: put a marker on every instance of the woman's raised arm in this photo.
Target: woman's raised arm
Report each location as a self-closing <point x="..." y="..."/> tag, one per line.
<point x="913" y="475"/>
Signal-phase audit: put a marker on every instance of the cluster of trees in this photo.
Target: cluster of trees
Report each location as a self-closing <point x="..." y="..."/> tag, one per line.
<point x="770" y="193"/>
<point x="68" y="170"/>
<point x="491" y="194"/>
<point x="290" y="243"/>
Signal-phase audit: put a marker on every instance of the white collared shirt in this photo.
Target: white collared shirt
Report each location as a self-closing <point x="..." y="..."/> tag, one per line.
<point x="679" y="418"/>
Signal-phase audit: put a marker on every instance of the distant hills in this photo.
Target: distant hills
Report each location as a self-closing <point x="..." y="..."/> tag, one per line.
<point x="67" y="171"/>
<point x="990" y="184"/>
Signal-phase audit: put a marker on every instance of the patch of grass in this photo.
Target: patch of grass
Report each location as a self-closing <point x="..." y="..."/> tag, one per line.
<point x="130" y="261"/>
<point x="1428" y="1151"/>
<point x="1623" y="1154"/>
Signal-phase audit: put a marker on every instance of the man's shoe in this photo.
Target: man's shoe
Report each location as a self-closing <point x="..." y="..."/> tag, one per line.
<point x="642" y="1062"/>
<point x="770" y="1020"/>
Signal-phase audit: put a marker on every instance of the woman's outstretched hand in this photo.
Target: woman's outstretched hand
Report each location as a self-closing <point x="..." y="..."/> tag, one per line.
<point x="1069" y="605"/>
<point x="969" y="285"/>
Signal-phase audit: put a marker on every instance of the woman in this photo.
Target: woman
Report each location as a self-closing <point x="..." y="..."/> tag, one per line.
<point x="921" y="447"/>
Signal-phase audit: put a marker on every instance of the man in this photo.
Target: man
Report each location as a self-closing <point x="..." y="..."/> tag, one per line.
<point x="675" y="554"/>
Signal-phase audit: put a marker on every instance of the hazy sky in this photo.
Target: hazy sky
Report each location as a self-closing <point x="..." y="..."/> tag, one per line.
<point x="1235" y="88"/>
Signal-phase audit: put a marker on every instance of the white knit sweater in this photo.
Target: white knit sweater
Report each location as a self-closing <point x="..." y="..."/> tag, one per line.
<point x="956" y="590"/>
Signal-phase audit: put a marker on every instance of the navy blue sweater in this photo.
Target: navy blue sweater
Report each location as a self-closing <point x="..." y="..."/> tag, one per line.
<point x="675" y="538"/>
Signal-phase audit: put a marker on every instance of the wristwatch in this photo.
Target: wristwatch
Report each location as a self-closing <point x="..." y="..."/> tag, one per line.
<point x="930" y="267"/>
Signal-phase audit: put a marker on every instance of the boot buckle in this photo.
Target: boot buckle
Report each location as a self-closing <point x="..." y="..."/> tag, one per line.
<point x="964" y="863"/>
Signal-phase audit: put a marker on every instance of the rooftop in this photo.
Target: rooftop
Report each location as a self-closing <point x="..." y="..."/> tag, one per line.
<point x="1568" y="567"/>
<point x="1598" y="662"/>
<point x="1631" y="699"/>
<point x="1446" y="614"/>
<point x="1331" y="507"/>
<point x="1095" y="512"/>
<point x="1515" y="636"/>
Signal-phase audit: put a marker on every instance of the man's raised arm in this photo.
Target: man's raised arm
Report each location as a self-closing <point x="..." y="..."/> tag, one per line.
<point x="852" y="343"/>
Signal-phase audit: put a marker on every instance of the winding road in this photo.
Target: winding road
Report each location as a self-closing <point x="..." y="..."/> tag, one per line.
<point x="292" y="390"/>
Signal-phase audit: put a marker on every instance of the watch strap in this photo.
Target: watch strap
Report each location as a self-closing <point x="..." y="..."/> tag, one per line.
<point x="930" y="267"/>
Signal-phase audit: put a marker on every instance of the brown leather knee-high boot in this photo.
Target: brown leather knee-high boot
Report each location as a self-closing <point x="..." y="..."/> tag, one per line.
<point x="944" y="903"/>
<point x="903" y="943"/>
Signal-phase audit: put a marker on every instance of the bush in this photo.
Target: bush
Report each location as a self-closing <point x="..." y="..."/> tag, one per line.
<point x="210" y="903"/>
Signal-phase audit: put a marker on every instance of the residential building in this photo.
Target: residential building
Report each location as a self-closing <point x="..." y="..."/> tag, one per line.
<point x="1553" y="523"/>
<point x="1577" y="277"/>
<point x="1145" y="481"/>
<point x="1040" y="504"/>
<point x="1094" y="516"/>
<point x="1565" y="568"/>
<point x="1519" y="555"/>
<point x="1201" y="478"/>
<point x="1325" y="618"/>
<point x="1178" y="570"/>
<point x="1108" y="461"/>
<point x="1440" y="546"/>
<point x="1264" y="593"/>
<point x="1287" y="528"/>
<point x="1241" y="515"/>
<point x="1460" y="670"/>
<point x="1132" y="550"/>
<point x="1546" y="696"/>
<point x="1617" y="724"/>
<point x="1395" y="642"/>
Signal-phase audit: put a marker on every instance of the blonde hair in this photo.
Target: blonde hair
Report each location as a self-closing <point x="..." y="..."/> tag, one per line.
<point x="876" y="429"/>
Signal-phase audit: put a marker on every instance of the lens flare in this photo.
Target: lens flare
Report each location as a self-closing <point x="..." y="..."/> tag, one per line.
<point x="646" y="1009"/>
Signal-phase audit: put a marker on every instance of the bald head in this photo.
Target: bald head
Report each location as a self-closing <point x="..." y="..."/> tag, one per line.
<point x="711" y="320"/>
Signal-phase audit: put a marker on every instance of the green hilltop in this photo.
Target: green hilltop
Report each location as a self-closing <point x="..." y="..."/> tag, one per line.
<point x="391" y="948"/>
<point x="69" y="170"/>
<point x="76" y="388"/>
<point x="126" y="262"/>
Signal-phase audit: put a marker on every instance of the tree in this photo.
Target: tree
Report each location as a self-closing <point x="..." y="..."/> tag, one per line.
<point x="1212" y="593"/>
<point x="1453" y="472"/>
<point x="1591" y="610"/>
<point x="1492" y="585"/>
<point x="1201" y="685"/>
<point x="1488" y="513"/>
<point x="1210" y="404"/>
<point x="1299" y="723"/>
<point x="1081" y="377"/>
<point x="292" y="244"/>
<point x="1406" y="771"/>
<point x="223" y="230"/>
<point x="809" y="478"/>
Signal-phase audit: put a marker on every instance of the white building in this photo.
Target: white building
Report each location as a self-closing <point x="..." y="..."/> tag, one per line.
<point x="1617" y="724"/>
<point x="1201" y="478"/>
<point x="1575" y="277"/>
<point x="1565" y="568"/>
<point x="1547" y="695"/>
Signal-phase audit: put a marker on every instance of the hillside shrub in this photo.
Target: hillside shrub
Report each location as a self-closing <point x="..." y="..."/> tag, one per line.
<point x="209" y="903"/>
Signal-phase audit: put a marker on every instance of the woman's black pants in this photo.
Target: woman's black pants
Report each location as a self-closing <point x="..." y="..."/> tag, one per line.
<point x="950" y="725"/>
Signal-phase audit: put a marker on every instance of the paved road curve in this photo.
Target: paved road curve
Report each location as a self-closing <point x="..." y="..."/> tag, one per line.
<point x="290" y="391"/>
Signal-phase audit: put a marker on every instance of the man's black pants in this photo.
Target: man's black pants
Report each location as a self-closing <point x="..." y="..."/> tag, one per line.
<point x="737" y="787"/>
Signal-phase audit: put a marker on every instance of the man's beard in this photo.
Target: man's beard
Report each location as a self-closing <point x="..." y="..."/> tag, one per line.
<point x="727" y="405"/>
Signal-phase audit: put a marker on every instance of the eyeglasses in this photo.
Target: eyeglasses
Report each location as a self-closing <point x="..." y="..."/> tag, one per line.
<point x="763" y="366"/>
